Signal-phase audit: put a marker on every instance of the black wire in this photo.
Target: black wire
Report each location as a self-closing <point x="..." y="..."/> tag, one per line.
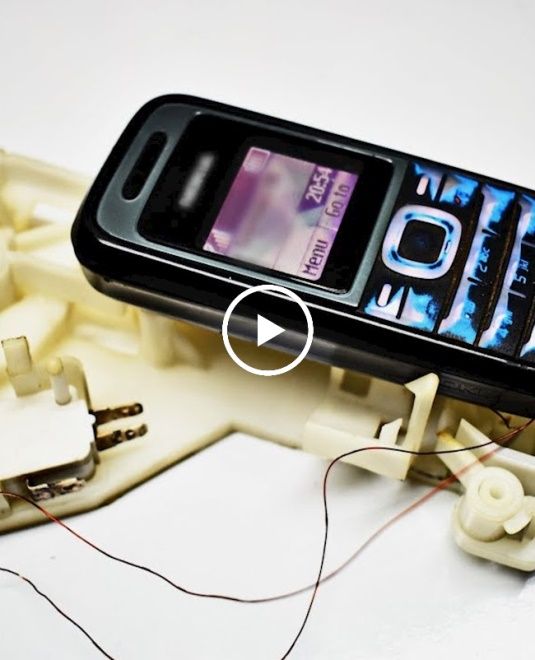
<point x="146" y="569"/>
<point x="399" y="450"/>
<point x="59" y="610"/>
<point x="505" y="420"/>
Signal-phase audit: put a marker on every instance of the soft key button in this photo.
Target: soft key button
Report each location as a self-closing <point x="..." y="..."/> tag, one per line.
<point x="481" y="268"/>
<point x="512" y="307"/>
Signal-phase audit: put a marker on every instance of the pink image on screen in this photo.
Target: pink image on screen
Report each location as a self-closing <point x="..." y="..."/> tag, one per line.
<point x="282" y="213"/>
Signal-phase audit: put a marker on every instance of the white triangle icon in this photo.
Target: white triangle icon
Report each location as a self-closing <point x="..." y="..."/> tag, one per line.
<point x="266" y="330"/>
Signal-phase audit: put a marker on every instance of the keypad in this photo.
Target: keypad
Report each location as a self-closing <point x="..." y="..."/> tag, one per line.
<point x="458" y="259"/>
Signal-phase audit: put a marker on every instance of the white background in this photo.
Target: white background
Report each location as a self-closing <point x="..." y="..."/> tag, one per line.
<point x="450" y="80"/>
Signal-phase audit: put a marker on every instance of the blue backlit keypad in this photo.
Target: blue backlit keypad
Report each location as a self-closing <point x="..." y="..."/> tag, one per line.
<point x="458" y="259"/>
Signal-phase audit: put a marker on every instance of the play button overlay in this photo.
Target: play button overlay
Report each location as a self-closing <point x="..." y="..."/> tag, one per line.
<point x="266" y="328"/>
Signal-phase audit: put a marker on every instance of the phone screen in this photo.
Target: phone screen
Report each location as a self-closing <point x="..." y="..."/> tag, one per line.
<point x="276" y="203"/>
<point x="282" y="213"/>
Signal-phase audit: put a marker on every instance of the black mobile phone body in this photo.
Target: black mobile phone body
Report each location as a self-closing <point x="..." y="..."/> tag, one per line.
<point x="407" y="265"/>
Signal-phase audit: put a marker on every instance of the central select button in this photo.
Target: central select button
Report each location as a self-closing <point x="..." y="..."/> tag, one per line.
<point x="267" y="329"/>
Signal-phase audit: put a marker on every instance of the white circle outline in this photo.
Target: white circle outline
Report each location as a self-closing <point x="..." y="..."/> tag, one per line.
<point x="259" y="289"/>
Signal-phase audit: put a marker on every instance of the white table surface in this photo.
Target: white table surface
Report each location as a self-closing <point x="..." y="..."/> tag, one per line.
<point x="449" y="80"/>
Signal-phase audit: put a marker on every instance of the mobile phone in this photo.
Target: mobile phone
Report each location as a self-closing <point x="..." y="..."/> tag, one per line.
<point x="407" y="265"/>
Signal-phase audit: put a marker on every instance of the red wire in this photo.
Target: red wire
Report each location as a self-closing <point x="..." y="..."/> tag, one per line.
<point x="320" y="578"/>
<point x="507" y="437"/>
<point x="58" y="609"/>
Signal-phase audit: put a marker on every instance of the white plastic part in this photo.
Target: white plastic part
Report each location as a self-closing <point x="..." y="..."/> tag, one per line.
<point x="494" y="518"/>
<point x="43" y="431"/>
<point x="60" y="384"/>
<point x="60" y="282"/>
<point x="346" y="421"/>
<point x="193" y="394"/>
<point x="161" y="344"/>
<point x="29" y="420"/>
<point x="7" y="290"/>
<point x="34" y="193"/>
<point x="41" y="320"/>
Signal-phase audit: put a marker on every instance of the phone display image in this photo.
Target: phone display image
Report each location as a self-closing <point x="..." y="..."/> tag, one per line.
<point x="282" y="213"/>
